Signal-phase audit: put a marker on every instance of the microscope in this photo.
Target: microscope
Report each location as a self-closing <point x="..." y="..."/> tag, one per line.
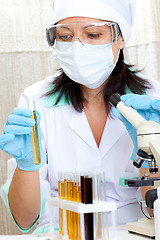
<point x="148" y="139"/>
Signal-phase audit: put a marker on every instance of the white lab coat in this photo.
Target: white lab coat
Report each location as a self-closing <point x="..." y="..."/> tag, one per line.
<point x="70" y="146"/>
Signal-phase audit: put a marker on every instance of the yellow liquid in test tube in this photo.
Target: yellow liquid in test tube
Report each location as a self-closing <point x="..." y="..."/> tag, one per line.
<point x="65" y="190"/>
<point x="66" y="198"/>
<point x="69" y="216"/>
<point x="61" y="196"/>
<point x="78" y="215"/>
<point x="72" y="213"/>
<point x="75" y="218"/>
<point x="35" y="141"/>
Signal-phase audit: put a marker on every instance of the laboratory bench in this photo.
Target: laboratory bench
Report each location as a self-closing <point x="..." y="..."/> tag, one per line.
<point x="122" y="234"/>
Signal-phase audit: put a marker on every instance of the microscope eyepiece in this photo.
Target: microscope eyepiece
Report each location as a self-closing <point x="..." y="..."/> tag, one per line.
<point x="115" y="98"/>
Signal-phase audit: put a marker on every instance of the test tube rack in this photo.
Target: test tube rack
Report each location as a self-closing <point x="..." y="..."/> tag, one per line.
<point x="81" y="208"/>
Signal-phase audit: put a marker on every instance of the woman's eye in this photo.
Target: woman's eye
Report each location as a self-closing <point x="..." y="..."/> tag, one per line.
<point x="93" y="35"/>
<point x="64" y="37"/>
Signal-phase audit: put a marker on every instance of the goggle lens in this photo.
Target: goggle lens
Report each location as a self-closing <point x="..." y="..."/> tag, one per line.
<point x="88" y="33"/>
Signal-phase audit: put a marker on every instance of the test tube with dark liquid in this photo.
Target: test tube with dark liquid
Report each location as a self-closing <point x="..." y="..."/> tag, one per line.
<point x="86" y="197"/>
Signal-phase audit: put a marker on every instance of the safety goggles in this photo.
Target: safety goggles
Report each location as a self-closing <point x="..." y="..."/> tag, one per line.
<point x="86" y="32"/>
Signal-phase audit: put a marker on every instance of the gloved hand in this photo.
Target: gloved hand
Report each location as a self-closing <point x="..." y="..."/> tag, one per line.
<point x="16" y="139"/>
<point x="149" y="109"/>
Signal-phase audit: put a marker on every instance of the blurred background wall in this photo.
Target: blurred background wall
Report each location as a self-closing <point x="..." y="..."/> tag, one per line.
<point x="25" y="58"/>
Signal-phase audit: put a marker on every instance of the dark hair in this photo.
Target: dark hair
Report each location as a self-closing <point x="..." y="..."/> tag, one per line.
<point x="122" y="76"/>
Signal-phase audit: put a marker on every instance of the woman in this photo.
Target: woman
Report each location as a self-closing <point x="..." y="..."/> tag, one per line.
<point x="79" y="130"/>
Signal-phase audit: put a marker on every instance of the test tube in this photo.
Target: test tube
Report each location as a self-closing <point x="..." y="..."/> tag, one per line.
<point x="67" y="197"/>
<point x="69" y="193"/>
<point x="61" y="196"/>
<point x="75" y="215"/>
<point x="105" y="232"/>
<point x="34" y="136"/>
<point x="78" y="200"/>
<point x="86" y="196"/>
<point x="97" y="185"/>
<point x="101" y="219"/>
<point x="71" y="199"/>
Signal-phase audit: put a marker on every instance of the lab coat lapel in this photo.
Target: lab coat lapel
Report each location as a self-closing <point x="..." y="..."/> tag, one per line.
<point x="79" y="124"/>
<point x="113" y="130"/>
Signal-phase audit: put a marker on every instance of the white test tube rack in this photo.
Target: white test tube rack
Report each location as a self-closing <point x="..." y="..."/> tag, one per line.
<point x="81" y="208"/>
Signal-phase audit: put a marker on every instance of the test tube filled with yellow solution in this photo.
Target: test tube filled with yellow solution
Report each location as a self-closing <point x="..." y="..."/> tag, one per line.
<point x="69" y="189"/>
<point x="76" y="216"/>
<point x="34" y="136"/>
<point x="67" y="196"/>
<point x="61" y="196"/>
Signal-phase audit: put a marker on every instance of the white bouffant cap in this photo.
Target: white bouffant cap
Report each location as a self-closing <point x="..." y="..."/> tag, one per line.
<point x="119" y="11"/>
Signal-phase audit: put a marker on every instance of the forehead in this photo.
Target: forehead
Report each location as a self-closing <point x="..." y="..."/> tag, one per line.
<point x="80" y="19"/>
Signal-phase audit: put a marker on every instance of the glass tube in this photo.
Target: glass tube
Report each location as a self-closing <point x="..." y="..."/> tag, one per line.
<point x="100" y="219"/>
<point x="61" y="196"/>
<point x="75" y="215"/>
<point x="34" y="136"/>
<point x="98" y="197"/>
<point x="87" y="197"/>
<point x="66" y="198"/>
<point x="105" y="225"/>
<point x="78" y="200"/>
<point x="71" y="199"/>
<point x="69" y="213"/>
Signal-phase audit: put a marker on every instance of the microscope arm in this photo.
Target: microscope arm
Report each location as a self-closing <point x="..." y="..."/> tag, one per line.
<point x="155" y="148"/>
<point x="148" y="132"/>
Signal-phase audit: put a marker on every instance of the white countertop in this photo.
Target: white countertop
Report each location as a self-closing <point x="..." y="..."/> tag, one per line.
<point x="122" y="234"/>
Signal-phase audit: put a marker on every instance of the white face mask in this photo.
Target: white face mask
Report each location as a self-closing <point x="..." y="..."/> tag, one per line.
<point x="89" y="65"/>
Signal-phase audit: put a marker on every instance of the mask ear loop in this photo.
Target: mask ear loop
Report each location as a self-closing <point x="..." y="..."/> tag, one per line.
<point x="117" y="57"/>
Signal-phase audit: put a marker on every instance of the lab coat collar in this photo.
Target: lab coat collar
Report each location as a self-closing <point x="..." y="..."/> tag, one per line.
<point x="113" y="130"/>
<point x="79" y="124"/>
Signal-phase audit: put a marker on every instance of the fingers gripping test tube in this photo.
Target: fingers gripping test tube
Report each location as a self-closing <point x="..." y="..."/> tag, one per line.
<point x="34" y="136"/>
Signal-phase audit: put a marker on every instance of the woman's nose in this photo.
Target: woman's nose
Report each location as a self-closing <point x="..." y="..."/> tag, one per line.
<point x="77" y="39"/>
